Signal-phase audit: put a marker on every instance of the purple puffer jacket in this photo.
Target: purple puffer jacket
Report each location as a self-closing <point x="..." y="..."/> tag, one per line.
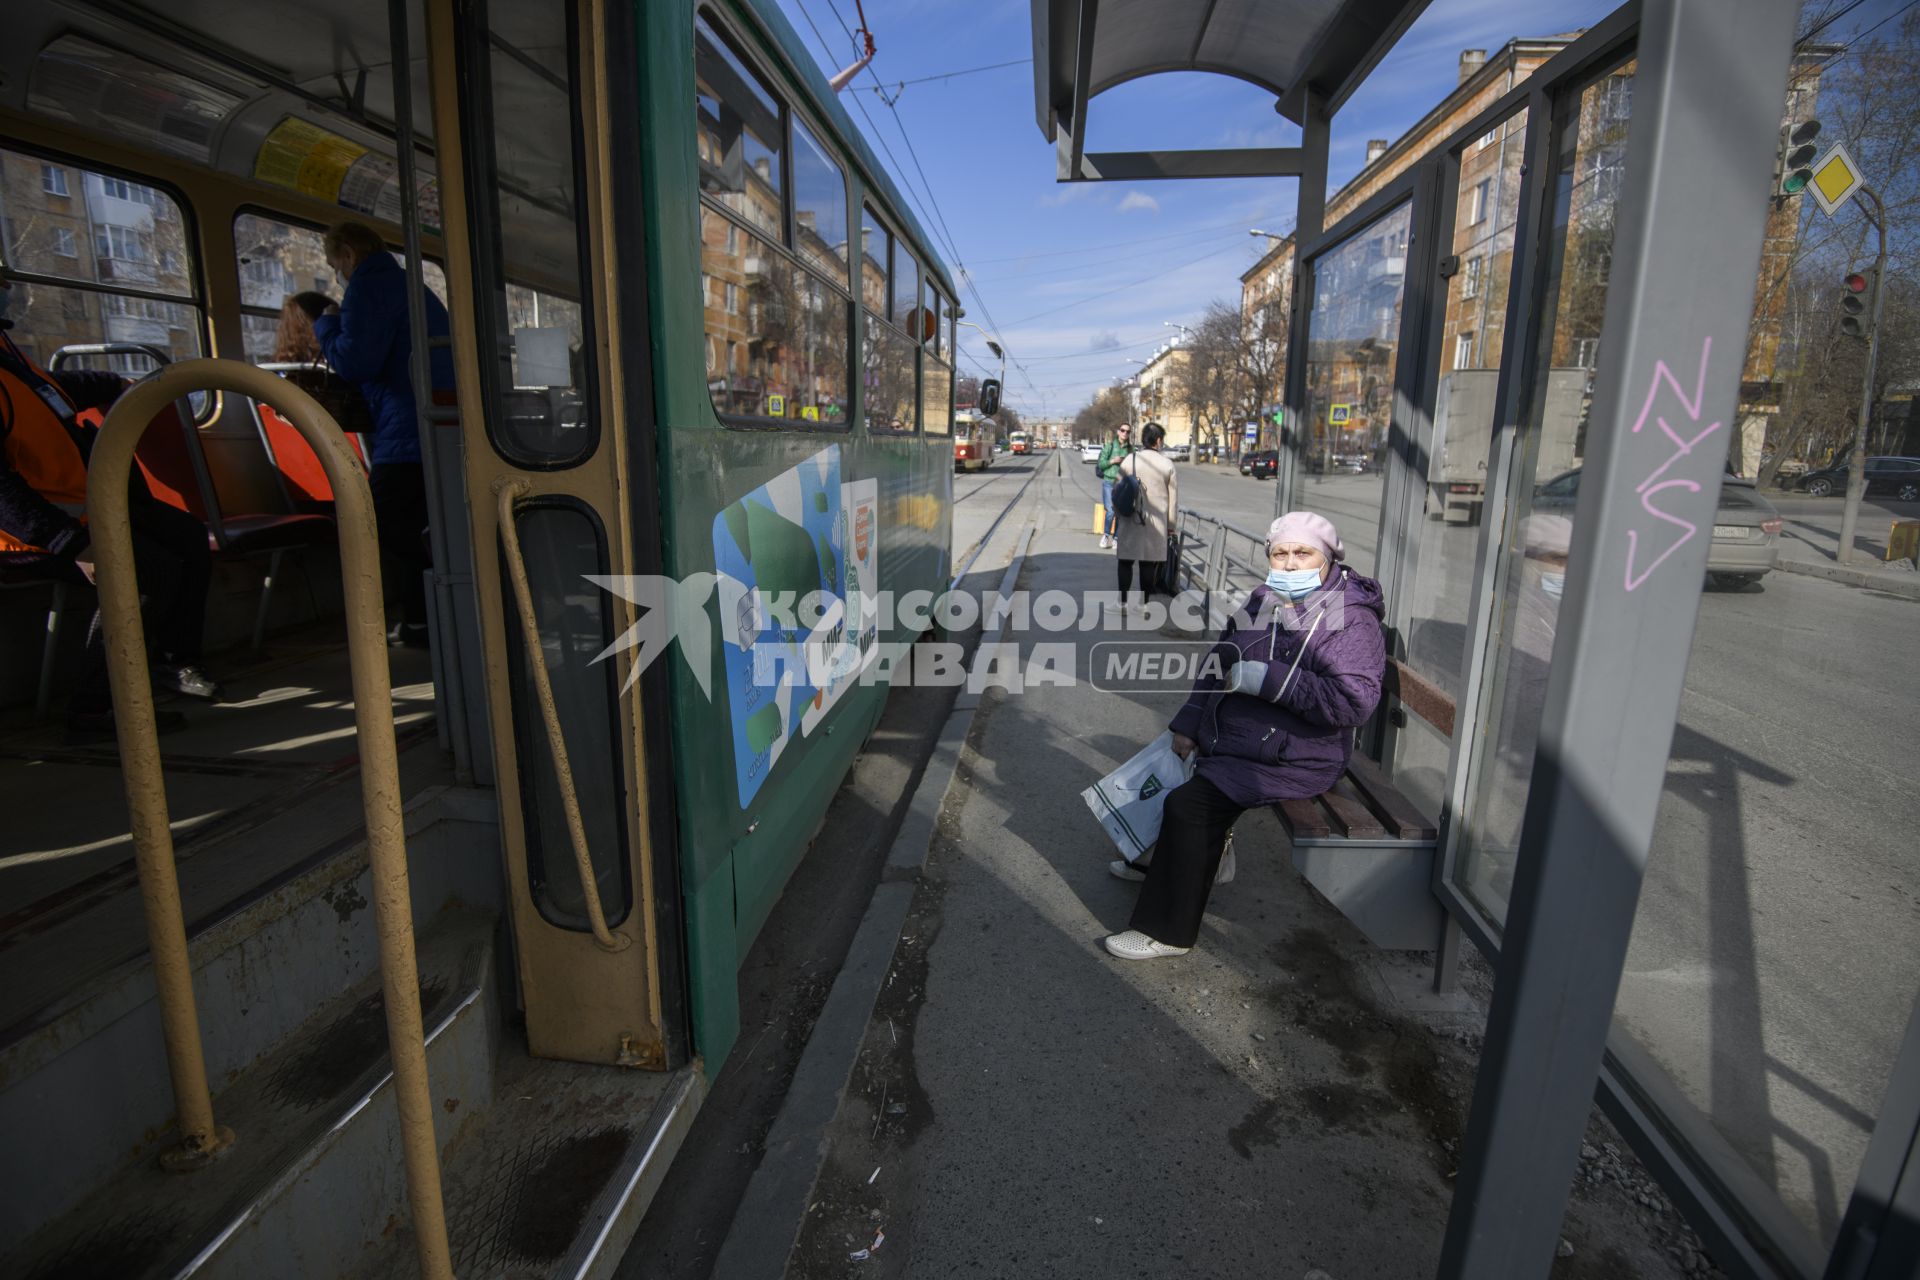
<point x="1292" y="742"/>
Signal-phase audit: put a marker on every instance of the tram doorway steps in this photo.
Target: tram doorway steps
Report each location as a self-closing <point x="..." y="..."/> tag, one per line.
<point x="315" y="1175"/>
<point x="84" y="1089"/>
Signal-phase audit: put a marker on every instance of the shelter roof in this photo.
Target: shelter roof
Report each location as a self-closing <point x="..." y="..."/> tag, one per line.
<point x="1289" y="47"/>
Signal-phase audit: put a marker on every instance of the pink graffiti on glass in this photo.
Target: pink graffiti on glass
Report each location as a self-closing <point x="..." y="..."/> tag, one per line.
<point x="1682" y="446"/>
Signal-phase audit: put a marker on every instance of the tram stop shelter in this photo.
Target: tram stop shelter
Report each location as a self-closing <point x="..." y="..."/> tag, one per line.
<point x="1683" y="208"/>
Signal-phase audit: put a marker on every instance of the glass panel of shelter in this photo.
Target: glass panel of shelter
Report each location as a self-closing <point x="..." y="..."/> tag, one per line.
<point x="1352" y="348"/>
<point x="1434" y="616"/>
<point x="1534" y="540"/>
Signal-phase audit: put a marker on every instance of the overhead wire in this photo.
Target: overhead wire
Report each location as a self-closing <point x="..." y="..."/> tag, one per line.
<point x="1212" y="229"/>
<point x="1105" y="293"/>
<point x="939" y="216"/>
<point x="970" y="71"/>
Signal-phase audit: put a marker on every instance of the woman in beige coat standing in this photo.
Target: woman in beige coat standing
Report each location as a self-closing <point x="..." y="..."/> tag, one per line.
<point x="1142" y="536"/>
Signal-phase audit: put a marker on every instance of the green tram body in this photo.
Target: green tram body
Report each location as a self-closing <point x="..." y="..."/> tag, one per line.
<point x="735" y="861"/>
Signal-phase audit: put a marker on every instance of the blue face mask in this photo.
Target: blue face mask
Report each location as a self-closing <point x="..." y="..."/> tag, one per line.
<point x="1294" y="583"/>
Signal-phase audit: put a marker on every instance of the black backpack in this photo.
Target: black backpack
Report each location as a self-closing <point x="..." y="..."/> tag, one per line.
<point x="1126" y="495"/>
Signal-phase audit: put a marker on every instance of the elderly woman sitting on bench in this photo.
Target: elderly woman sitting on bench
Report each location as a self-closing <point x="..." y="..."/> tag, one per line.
<point x="1297" y="669"/>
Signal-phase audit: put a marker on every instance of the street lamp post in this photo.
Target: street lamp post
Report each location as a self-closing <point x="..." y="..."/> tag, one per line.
<point x="999" y="352"/>
<point x="1857" y="465"/>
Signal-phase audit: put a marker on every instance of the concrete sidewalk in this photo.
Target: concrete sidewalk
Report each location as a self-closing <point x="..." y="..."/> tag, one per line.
<point x="1813" y="552"/>
<point x="1283" y="1100"/>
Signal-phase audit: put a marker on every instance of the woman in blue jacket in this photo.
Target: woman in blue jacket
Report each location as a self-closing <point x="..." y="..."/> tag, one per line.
<point x="368" y="341"/>
<point x="1301" y="667"/>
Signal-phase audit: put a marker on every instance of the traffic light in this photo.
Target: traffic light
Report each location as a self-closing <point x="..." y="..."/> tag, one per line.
<point x="1856" y="301"/>
<point x="1797" y="154"/>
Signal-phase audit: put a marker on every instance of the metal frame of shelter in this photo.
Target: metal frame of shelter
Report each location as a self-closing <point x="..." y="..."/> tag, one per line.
<point x="1700" y="141"/>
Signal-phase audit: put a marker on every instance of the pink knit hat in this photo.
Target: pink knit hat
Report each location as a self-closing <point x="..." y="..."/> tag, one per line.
<point x="1305" y="526"/>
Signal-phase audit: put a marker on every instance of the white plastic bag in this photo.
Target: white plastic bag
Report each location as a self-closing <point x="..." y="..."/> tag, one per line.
<point x="1128" y="801"/>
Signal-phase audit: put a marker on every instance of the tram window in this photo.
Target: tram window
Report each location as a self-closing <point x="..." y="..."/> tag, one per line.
<point x="539" y="375"/>
<point x="888" y="374"/>
<point x="874" y="242"/>
<point x="276" y="260"/>
<point x="936" y="397"/>
<point x="97" y="258"/>
<point x="819" y="206"/>
<point x="906" y="286"/>
<point x="563" y="545"/>
<point x="739" y="134"/>
<point x="547" y="334"/>
<point x="792" y="325"/>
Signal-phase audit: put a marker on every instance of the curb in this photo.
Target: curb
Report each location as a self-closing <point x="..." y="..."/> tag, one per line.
<point x="774" y="1208"/>
<point x="1891" y="581"/>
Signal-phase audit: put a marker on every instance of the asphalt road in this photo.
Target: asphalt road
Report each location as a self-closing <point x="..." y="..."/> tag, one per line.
<point x="1776" y="956"/>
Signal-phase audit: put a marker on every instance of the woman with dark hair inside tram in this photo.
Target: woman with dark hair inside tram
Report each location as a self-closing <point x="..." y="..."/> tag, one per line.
<point x="1299" y="668"/>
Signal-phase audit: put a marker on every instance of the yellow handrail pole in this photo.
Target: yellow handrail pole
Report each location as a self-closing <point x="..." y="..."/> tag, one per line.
<point x="126" y="648"/>
<point x="506" y="491"/>
<point x="373" y="726"/>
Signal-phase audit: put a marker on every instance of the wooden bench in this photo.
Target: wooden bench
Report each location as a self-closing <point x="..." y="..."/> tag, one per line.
<point x="1369" y="850"/>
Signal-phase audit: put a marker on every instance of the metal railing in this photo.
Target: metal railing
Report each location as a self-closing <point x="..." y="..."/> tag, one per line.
<point x="201" y="1138"/>
<point x="1220" y="559"/>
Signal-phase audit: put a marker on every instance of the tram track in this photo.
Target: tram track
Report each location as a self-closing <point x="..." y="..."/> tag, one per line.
<point x="979" y="545"/>
<point x="975" y="491"/>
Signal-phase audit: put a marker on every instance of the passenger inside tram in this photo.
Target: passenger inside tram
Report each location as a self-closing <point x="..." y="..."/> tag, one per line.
<point x="43" y="528"/>
<point x="366" y="340"/>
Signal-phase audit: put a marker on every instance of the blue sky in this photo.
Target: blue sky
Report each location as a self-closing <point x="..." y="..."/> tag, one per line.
<point x="1076" y="279"/>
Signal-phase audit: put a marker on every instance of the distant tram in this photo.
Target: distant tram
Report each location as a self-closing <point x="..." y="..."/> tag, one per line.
<point x="975" y="442"/>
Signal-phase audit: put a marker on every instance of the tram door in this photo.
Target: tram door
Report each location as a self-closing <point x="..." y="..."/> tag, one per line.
<point x="532" y="254"/>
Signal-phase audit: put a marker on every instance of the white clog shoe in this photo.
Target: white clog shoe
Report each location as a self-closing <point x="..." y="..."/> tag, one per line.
<point x="1134" y="945"/>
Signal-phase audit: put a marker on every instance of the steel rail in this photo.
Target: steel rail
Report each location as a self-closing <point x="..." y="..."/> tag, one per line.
<point x="981" y="545"/>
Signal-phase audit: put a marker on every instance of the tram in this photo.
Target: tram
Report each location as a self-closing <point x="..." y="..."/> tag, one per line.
<point x="702" y="358"/>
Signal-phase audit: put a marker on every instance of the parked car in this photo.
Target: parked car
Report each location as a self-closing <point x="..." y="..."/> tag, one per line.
<point x="1263" y="465"/>
<point x="1746" y="527"/>
<point x="1089" y="453"/>
<point x="1891" y="477"/>
<point x="1179" y="452"/>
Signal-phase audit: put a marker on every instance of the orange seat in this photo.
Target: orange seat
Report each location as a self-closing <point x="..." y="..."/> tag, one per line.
<point x="170" y="457"/>
<point x="302" y="478"/>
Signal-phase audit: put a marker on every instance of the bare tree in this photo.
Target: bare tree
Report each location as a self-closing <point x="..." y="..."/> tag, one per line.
<point x="1109" y="407"/>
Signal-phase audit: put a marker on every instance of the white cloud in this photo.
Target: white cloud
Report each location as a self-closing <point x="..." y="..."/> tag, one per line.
<point x="1068" y="193"/>
<point x="1139" y="200"/>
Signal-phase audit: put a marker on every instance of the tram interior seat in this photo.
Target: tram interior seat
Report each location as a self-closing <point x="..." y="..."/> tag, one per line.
<point x="174" y="464"/>
<point x="296" y="467"/>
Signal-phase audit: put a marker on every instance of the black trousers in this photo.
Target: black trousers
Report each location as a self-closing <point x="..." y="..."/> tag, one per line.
<point x="174" y="568"/>
<point x="1193" y="837"/>
<point x="1152" y="576"/>
<point x="400" y="515"/>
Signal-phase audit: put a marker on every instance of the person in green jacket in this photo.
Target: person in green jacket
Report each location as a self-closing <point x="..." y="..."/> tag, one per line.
<point x="1108" y="468"/>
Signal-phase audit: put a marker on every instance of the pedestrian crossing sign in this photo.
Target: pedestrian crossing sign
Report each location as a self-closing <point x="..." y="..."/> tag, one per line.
<point x="1339" y="415"/>
<point x="1835" y="178"/>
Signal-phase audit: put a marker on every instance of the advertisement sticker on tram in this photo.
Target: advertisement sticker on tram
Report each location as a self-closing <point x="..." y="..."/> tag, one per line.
<point x="780" y="556"/>
<point x="846" y="656"/>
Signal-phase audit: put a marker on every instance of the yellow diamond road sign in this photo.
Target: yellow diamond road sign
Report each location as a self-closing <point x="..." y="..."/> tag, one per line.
<point x="1835" y="178"/>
